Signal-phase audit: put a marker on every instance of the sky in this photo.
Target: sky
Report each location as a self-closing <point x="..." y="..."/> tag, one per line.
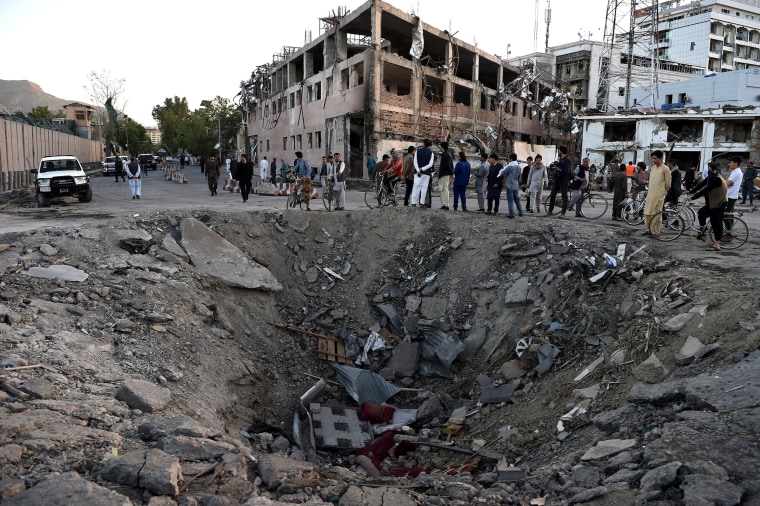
<point x="201" y="50"/>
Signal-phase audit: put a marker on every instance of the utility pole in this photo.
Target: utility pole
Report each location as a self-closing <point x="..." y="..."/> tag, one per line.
<point x="548" y="19"/>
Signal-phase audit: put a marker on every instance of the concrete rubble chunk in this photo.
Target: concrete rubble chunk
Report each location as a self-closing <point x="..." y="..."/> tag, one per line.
<point x="193" y="449"/>
<point x="660" y="477"/>
<point x="517" y="294"/>
<point x="170" y="244"/>
<point x="67" y="489"/>
<point x="651" y="370"/>
<point x="57" y="271"/>
<point x="678" y="322"/>
<point x="10" y="487"/>
<point x="39" y="388"/>
<point x="144" y="395"/>
<point x="706" y="489"/>
<point x="588" y="392"/>
<point x="153" y="430"/>
<point x="588" y="495"/>
<point x="376" y="496"/>
<point x="405" y="359"/>
<point x="693" y="349"/>
<point x="473" y="342"/>
<point x="152" y="469"/>
<point x="512" y="370"/>
<point x="47" y="250"/>
<point x="212" y="254"/>
<point x="274" y="468"/>
<point x="608" y="448"/>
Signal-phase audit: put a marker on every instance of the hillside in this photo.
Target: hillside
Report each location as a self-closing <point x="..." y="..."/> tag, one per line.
<point x="25" y="95"/>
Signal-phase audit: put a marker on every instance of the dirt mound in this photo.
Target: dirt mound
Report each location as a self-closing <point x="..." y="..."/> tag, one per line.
<point x="517" y="328"/>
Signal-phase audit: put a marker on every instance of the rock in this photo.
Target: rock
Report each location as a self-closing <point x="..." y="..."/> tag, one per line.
<point x="153" y="430"/>
<point x="312" y="274"/>
<point x="512" y="370"/>
<point x="170" y="244"/>
<point x="405" y="359"/>
<point x="38" y="388"/>
<point x="413" y="303"/>
<point x="607" y="448"/>
<point x="693" y="349"/>
<point x="10" y="487"/>
<point x="48" y="251"/>
<point x="588" y="495"/>
<point x="651" y="370"/>
<point x="376" y="496"/>
<point x="143" y="395"/>
<point x="433" y="308"/>
<point x="161" y="500"/>
<point x="586" y="476"/>
<point x="192" y="449"/>
<point x="660" y="477"/>
<point x="517" y="294"/>
<point x="212" y="254"/>
<point x="677" y="322"/>
<point x="589" y="392"/>
<point x="699" y="489"/>
<point x="460" y="491"/>
<point x="159" y="317"/>
<point x="629" y="476"/>
<point x="67" y="489"/>
<point x="57" y="271"/>
<point x="10" y="453"/>
<point x="473" y="342"/>
<point x="274" y="468"/>
<point x="152" y="469"/>
<point x="456" y="243"/>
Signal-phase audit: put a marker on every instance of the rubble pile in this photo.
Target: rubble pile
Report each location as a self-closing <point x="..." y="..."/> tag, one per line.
<point x="277" y="358"/>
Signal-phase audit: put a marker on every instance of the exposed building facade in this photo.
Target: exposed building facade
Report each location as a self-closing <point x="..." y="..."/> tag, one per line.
<point x="379" y="78"/>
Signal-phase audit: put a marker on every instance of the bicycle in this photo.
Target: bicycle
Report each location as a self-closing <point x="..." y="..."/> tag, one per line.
<point x="674" y="223"/>
<point x="329" y="198"/>
<point x="593" y="205"/>
<point x="296" y="196"/>
<point x="378" y="192"/>
<point x="633" y="212"/>
<point x="735" y="231"/>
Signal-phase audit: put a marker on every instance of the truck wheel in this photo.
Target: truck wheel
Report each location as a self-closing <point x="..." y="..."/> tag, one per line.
<point x="42" y="200"/>
<point x="86" y="196"/>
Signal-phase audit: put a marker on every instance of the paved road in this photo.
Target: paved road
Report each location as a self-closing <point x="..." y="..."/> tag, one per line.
<point x="112" y="200"/>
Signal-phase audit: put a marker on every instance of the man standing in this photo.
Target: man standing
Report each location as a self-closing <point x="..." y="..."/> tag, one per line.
<point x="734" y="182"/>
<point x="748" y="185"/>
<point x="538" y="177"/>
<point x="524" y="182"/>
<point x="408" y="173"/>
<point x="323" y="168"/>
<point x="561" y="180"/>
<point x="119" y="169"/>
<point x="338" y="174"/>
<point x="382" y="176"/>
<point x="284" y="167"/>
<point x="512" y="172"/>
<point x="445" y="171"/>
<point x="713" y="188"/>
<point x="273" y="177"/>
<point x="264" y="169"/>
<point x="675" y="182"/>
<point x="659" y="184"/>
<point x="578" y="184"/>
<point x="423" y="166"/>
<point x="370" y="166"/>
<point x="630" y="170"/>
<point x="212" y="174"/>
<point x="133" y="173"/>
<point x="233" y="165"/>
<point x="620" y="190"/>
<point x="245" y="176"/>
<point x="480" y="176"/>
<point x="303" y="171"/>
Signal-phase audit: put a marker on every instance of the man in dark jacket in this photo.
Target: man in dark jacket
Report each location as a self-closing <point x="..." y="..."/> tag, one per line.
<point x="675" y="182"/>
<point x="244" y="176"/>
<point x="212" y="174"/>
<point x="561" y="180"/>
<point x="445" y="171"/>
<point x="423" y="163"/>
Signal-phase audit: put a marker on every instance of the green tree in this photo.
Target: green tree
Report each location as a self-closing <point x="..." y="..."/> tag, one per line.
<point x="171" y="118"/>
<point x="43" y="112"/>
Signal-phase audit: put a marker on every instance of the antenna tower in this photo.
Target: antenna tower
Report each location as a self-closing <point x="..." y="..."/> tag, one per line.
<point x="630" y="53"/>
<point x="548" y="20"/>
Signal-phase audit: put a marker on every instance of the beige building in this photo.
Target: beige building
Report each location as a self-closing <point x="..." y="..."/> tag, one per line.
<point x="81" y="115"/>
<point x="378" y="78"/>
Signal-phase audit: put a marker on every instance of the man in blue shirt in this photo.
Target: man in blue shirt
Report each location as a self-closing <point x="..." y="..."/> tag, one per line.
<point x="512" y="172"/>
<point x="303" y="171"/>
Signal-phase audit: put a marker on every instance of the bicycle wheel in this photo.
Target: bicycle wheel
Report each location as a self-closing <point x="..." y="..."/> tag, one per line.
<point x="594" y="206"/>
<point x="672" y="225"/>
<point x="557" y="203"/>
<point x="633" y="215"/>
<point x="370" y="196"/>
<point x="735" y="233"/>
<point x="328" y="196"/>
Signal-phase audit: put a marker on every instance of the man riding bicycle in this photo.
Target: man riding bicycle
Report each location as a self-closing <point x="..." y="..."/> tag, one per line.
<point x="303" y="172"/>
<point x="389" y="173"/>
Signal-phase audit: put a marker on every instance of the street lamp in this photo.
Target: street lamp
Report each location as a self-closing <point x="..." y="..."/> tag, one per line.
<point x="206" y="104"/>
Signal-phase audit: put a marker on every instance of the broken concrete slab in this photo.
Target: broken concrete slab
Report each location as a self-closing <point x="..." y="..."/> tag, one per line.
<point x="660" y="477"/>
<point x="517" y="294"/>
<point x="194" y="449"/>
<point x="57" y="271"/>
<point x="67" y="489"/>
<point x="144" y="395"/>
<point x="405" y="359"/>
<point x="589" y="392"/>
<point x="218" y="258"/>
<point x="678" y="322"/>
<point x="651" y="370"/>
<point x="693" y="349"/>
<point x="433" y="308"/>
<point x="152" y="469"/>
<point x="706" y="489"/>
<point x="273" y="468"/>
<point x="608" y="448"/>
<point x="413" y="303"/>
<point x="298" y="221"/>
<point x="172" y="246"/>
<point x="153" y="430"/>
<point x="473" y="342"/>
<point x="38" y="388"/>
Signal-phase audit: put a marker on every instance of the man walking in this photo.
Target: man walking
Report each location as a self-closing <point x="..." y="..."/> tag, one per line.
<point x="133" y="173"/>
<point x="264" y="169"/>
<point x="445" y="171"/>
<point x="212" y="174"/>
<point x="245" y="176"/>
<point x="659" y="184"/>
<point x="578" y="184"/>
<point x="748" y="184"/>
<point x="423" y="166"/>
<point x="561" y="180"/>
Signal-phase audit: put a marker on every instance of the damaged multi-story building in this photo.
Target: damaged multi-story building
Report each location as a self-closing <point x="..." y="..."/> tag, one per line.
<point x="379" y="78"/>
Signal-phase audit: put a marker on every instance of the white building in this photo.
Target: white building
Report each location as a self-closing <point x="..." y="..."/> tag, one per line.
<point x="717" y="35"/>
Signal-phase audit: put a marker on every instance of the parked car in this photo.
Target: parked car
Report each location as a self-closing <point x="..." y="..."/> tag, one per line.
<point x="109" y="166"/>
<point x="60" y="176"/>
<point x="147" y="161"/>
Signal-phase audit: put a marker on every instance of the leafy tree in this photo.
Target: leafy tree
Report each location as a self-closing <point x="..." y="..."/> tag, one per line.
<point x="171" y="118"/>
<point x="44" y="112"/>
